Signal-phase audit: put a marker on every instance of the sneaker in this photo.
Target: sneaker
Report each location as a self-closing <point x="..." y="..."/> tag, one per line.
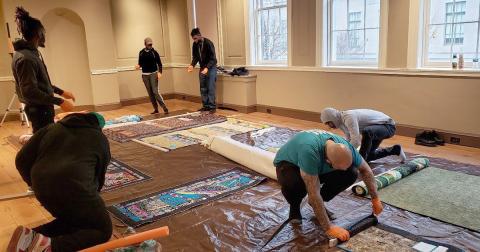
<point x="433" y="135"/>
<point x="422" y="139"/>
<point x="40" y="243"/>
<point x="21" y="239"/>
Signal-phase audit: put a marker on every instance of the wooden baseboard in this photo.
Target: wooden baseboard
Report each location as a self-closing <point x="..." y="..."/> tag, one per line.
<point x="293" y="113"/>
<point x="462" y="139"/>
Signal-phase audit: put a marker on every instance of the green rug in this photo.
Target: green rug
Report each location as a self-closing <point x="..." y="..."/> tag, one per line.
<point x="448" y="196"/>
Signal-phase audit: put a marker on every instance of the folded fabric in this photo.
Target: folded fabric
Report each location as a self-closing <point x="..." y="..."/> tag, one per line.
<point x="392" y="176"/>
<point x="124" y="119"/>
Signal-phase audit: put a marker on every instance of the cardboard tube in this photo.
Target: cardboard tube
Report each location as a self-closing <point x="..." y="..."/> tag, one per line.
<point x="130" y="240"/>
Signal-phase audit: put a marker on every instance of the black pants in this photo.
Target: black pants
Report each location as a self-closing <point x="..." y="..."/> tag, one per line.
<point x="76" y="228"/>
<point x="40" y="116"/>
<point x="294" y="190"/>
<point x="151" y="84"/>
<point x="372" y="136"/>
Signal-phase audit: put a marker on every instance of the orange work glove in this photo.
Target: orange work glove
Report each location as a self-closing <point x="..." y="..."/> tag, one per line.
<point x="377" y="206"/>
<point x="68" y="95"/>
<point x="66" y="106"/>
<point x="338" y="232"/>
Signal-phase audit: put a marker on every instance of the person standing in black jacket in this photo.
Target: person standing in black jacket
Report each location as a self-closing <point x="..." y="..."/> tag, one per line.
<point x="203" y="52"/>
<point x="33" y="85"/>
<point x="65" y="163"/>
<point x="151" y="64"/>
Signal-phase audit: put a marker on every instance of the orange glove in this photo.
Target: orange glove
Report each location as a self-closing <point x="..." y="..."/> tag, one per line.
<point x="338" y="232"/>
<point x="68" y="95"/>
<point x="66" y="106"/>
<point x="377" y="206"/>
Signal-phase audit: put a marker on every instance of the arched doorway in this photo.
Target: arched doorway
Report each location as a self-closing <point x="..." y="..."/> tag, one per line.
<point x="66" y="53"/>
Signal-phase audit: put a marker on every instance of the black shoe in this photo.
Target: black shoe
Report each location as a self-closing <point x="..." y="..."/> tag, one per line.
<point x="203" y="109"/>
<point x="165" y="111"/>
<point x="154" y="112"/>
<point x="212" y="111"/>
<point x="295" y="214"/>
<point x="423" y="139"/>
<point x="433" y="135"/>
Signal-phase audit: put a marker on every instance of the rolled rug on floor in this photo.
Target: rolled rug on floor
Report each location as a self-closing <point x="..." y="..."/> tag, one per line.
<point x="392" y="176"/>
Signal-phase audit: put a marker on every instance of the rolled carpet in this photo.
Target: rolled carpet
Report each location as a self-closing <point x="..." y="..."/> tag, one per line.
<point x="392" y="176"/>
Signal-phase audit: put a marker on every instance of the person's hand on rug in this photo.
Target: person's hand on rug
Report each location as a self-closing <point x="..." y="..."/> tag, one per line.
<point x="338" y="232"/>
<point x="377" y="206"/>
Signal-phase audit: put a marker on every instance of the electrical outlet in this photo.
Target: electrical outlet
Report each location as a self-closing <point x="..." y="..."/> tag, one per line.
<point x="454" y="140"/>
<point x="269" y="111"/>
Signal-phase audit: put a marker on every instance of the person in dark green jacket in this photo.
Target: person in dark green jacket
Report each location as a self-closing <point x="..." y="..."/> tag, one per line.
<point x="65" y="164"/>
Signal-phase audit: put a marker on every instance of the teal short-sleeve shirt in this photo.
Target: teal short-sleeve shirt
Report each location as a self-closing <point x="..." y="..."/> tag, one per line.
<point x="307" y="151"/>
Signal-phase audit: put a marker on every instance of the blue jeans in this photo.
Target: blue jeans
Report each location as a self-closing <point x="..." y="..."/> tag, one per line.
<point x="207" y="88"/>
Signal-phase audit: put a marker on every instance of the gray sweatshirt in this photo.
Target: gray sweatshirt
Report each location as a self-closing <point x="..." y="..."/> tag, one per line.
<point x="352" y="122"/>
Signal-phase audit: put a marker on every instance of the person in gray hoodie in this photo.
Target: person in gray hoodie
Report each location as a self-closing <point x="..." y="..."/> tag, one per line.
<point x="364" y="128"/>
<point x="33" y="85"/>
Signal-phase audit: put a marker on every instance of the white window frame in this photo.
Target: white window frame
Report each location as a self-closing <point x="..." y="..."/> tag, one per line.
<point x="424" y="35"/>
<point x="254" y="42"/>
<point x="327" y="39"/>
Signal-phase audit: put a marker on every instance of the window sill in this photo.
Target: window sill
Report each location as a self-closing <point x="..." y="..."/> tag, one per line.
<point x="429" y="72"/>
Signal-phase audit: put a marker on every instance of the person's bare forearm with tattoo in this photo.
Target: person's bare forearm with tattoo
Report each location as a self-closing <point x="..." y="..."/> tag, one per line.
<point x="369" y="179"/>
<point x="315" y="200"/>
<point x="312" y="183"/>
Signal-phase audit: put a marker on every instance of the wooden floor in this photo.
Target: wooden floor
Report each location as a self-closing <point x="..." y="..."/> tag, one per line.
<point x="28" y="212"/>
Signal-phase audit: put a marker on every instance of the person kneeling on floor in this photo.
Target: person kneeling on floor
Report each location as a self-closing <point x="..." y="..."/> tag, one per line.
<point x="312" y="158"/>
<point x="65" y="163"/>
<point x="365" y="128"/>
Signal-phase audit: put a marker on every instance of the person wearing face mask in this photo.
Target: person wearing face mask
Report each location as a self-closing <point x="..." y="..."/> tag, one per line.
<point x="32" y="82"/>
<point x="203" y="52"/>
<point x="312" y="158"/>
<point x="365" y="129"/>
<point x="65" y="163"/>
<point x="151" y="64"/>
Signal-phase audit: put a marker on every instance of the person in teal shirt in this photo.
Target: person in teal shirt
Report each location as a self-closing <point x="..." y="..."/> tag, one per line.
<point x="316" y="157"/>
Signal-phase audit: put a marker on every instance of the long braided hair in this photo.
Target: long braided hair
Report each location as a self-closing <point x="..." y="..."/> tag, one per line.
<point x="28" y="26"/>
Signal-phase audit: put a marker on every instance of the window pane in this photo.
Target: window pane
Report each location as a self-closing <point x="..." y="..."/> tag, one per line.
<point x="339" y="15"/>
<point x="271" y="3"/>
<point x="437" y="49"/>
<point x="371" y="44"/>
<point x="373" y="14"/>
<point x="342" y="49"/>
<point x="358" y="7"/>
<point x="272" y="37"/>
<point x="438" y="10"/>
<point x="470" y="9"/>
<point x="467" y="41"/>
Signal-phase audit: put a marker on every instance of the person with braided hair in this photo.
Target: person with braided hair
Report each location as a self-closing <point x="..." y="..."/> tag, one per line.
<point x="32" y="82"/>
